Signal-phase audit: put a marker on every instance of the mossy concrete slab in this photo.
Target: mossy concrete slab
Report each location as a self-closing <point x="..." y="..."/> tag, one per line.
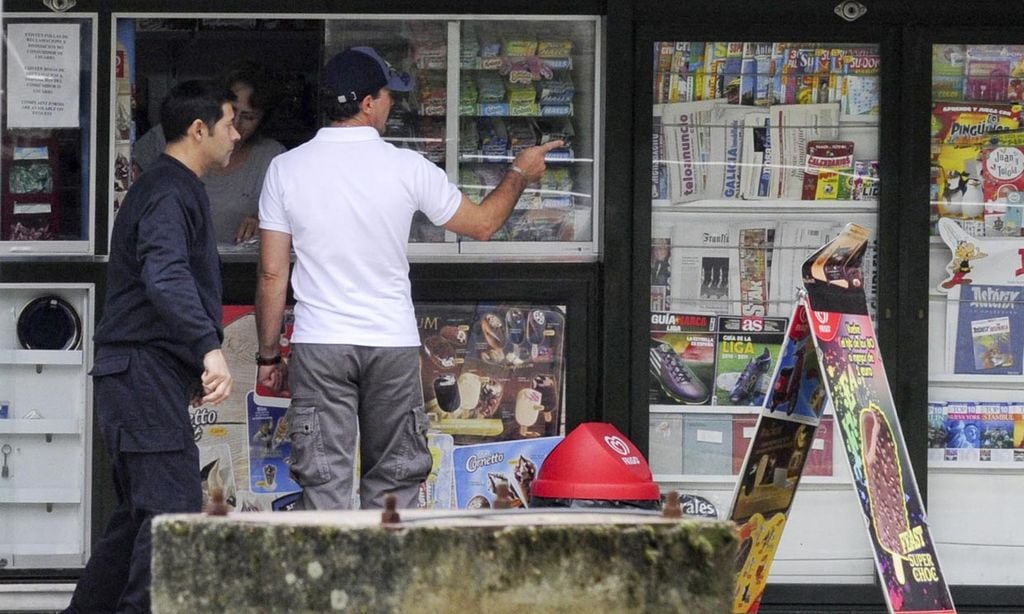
<point x="451" y="561"/>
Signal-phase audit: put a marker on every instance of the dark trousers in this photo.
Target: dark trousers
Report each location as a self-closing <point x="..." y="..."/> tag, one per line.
<point x="142" y="400"/>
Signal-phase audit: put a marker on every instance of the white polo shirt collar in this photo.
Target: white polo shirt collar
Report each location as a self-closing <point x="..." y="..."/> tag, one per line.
<point x="348" y="134"/>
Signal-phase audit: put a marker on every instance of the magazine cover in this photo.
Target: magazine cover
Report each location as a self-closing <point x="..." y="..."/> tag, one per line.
<point x="852" y="370"/>
<point x="682" y="358"/>
<point x="975" y="434"/>
<point x="748" y="349"/>
<point x="992" y="261"/>
<point x="959" y="131"/>
<point x="948" y="71"/>
<point x="1002" y="174"/>
<point x="492" y="371"/>
<point x="481" y="468"/>
<point x="828" y="168"/>
<point x="989" y="329"/>
<point x="665" y="443"/>
<point x="799" y="239"/>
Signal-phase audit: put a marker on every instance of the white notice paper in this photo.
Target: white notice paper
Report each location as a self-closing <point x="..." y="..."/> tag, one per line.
<point x="42" y="75"/>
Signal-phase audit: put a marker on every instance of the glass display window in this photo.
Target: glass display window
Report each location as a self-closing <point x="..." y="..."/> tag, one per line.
<point x="976" y="306"/>
<point x="47" y="135"/>
<point x="761" y="152"/>
<point x="486" y="88"/>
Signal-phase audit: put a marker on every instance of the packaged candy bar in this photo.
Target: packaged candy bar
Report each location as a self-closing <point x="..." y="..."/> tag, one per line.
<point x="520" y="47"/>
<point x="491" y="87"/>
<point x="529" y="200"/>
<point x="470" y="47"/>
<point x="521" y="136"/>
<point x="430" y="55"/>
<point x="556" y="110"/>
<point x="494" y="109"/>
<point x="490" y="47"/>
<point x="521" y="92"/>
<point x="555" y="129"/>
<point x="554" y="48"/>
<point x="493" y="139"/>
<point x="470" y="184"/>
<point x="490" y="63"/>
<point x="558" y="178"/>
<point x="523" y="109"/>
<point x="468" y="93"/>
<point x="469" y="138"/>
<point x="526" y="70"/>
<point x="431" y="131"/>
<point x="558" y="90"/>
<point x="433" y="95"/>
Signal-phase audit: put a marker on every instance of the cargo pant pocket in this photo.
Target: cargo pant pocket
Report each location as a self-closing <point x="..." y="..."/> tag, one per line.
<point x="414" y="461"/>
<point x="307" y="462"/>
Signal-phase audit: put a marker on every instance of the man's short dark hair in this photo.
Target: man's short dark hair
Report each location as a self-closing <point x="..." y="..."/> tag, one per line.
<point x="192" y="100"/>
<point x="335" y="111"/>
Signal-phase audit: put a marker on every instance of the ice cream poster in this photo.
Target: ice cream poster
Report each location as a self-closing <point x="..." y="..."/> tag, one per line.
<point x="882" y="475"/>
<point x="854" y="376"/>
<point x="492" y="372"/>
<point x="480" y="469"/>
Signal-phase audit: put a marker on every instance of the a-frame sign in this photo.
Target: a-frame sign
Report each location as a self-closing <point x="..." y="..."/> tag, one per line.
<point x="831" y="352"/>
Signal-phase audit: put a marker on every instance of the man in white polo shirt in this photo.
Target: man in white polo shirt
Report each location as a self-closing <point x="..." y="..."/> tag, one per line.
<point x="345" y="201"/>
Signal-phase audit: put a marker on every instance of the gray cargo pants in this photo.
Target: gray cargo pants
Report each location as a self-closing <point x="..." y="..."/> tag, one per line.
<point x="348" y="395"/>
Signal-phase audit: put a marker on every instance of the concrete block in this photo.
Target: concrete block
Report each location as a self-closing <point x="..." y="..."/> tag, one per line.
<point x="499" y="561"/>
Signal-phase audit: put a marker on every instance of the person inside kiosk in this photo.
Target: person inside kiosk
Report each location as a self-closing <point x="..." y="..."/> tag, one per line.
<point x="234" y="191"/>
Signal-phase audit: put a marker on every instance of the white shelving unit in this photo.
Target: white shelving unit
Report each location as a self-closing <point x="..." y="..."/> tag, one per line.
<point x="45" y="495"/>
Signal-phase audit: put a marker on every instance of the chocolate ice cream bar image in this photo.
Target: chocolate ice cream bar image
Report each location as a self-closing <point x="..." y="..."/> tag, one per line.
<point x="884" y="482"/>
<point x="839" y="262"/>
<point x="494" y="331"/>
<point x="439" y="351"/>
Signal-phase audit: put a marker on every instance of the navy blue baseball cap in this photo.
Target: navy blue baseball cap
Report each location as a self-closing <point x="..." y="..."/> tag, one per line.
<point x="358" y="72"/>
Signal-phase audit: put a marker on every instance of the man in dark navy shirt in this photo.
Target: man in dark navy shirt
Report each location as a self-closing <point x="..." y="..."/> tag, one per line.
<point x="158" y="344"/>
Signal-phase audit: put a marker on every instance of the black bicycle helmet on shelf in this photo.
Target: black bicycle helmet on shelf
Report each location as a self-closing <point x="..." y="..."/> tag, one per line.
<point x="49" y="323"/>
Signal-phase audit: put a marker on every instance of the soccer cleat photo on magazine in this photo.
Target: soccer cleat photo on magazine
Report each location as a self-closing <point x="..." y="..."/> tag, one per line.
<point x="746" y="384"/>
<point x="675" y="378"/>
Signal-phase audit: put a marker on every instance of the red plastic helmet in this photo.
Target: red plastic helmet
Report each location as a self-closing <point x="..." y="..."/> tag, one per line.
<point x="595" y="461"/>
